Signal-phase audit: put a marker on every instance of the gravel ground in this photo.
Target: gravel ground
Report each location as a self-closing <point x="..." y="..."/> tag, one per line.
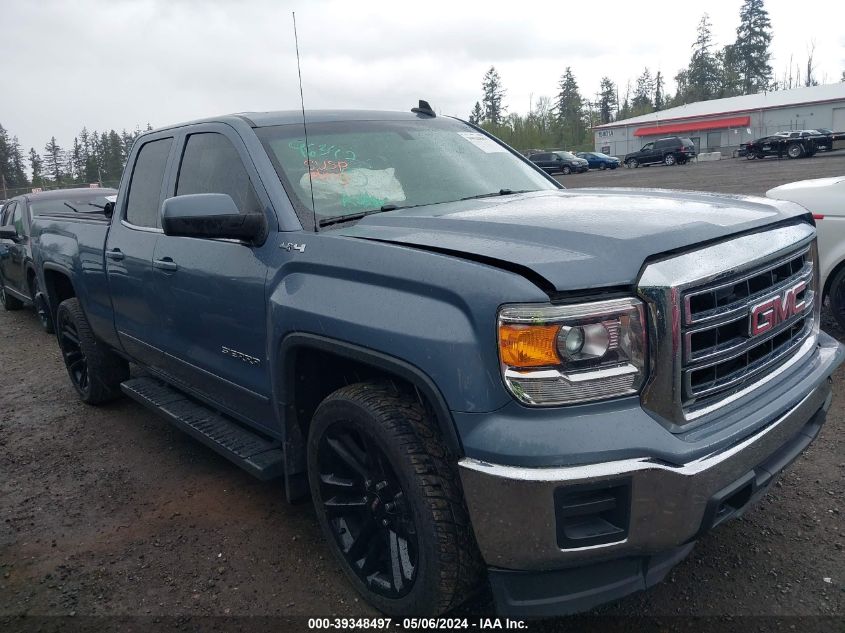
<point x="727" y="176"/>
<point x="111" y="512"/>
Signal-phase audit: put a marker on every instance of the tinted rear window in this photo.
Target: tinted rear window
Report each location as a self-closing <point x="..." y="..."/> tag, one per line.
<point x="145" y="187"/>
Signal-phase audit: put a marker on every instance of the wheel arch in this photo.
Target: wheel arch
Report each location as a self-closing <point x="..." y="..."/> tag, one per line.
<point x="58" y="286"/>
<point x="313" y="366"/>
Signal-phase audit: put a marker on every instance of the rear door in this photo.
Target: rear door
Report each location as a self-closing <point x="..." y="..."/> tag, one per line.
<point x="131" y="242"/>
<point x="209" y="294"/>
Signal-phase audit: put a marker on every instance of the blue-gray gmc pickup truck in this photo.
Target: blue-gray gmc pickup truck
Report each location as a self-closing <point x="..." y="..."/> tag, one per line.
<point x="475" y="374"/>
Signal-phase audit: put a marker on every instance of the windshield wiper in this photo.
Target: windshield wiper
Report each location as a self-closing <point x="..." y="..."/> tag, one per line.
<point x="69" y="205"/>
<point x="500" y="192"/>
<point x="99" y="206"/>
<point x="338" y="219"/>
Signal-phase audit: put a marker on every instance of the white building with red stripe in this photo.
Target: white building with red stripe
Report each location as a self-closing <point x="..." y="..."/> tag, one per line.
<point x="721" y="125"/>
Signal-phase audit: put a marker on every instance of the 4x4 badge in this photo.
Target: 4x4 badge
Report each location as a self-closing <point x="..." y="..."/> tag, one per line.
<point x="290" y="246"/>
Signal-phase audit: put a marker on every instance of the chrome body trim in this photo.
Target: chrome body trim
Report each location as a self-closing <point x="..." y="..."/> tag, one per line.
<point x="663" y="285"/>
<point x="513" y="512"/>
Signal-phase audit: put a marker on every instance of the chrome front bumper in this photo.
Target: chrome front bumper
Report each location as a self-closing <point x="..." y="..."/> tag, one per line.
<point x="513" y="508"/>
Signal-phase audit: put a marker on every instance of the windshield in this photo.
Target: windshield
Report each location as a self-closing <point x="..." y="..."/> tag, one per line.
<point x="71" y="204"/>
<point x="361" y="166"/>
<point x="566" y="155"/>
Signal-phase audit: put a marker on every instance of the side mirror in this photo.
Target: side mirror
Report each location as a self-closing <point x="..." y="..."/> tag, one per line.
<point x="9" y="232"/>
<point x="108" y="209"/>
<point x="211" y="216"/>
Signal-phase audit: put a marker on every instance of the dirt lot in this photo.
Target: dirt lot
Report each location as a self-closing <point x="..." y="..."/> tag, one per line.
<point x="111" y="512"/>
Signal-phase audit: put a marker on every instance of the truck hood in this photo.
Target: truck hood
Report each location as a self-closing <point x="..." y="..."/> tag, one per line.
<point x="574" y="239"/>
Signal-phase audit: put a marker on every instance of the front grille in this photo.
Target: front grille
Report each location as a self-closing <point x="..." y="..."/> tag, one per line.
<point x="743" y="327"/>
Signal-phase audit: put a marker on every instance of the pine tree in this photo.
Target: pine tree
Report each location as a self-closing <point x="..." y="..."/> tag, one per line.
<point x="569" y="108"/>
<point x="5" y="157"/>
<point x="703" y="75"/>
<point x="659" y="94"/>
<point x="54" y="161"/>
<point x="753" y="38"/>
<point x="36" y="166"/>
<point x="642" y="101"/>
<point x="608" y="100"/>
<point x="17" y="178"/>
<point x="731" y="80"/>
<point x="476" y="115"/>
<point x="493" y="92"/>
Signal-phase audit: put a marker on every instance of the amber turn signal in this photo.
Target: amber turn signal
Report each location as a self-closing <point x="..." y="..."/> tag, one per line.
<point x="528" y="345"/>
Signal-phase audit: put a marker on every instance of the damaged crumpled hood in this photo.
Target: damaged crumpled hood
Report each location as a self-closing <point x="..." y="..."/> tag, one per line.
<point x="575" y="239"/>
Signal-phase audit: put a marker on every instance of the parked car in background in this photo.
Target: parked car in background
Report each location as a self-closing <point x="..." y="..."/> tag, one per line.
<point x="825" y="199"/>
<point x="18" y="280"/>
<point x="559" y="162"/>
<point x="672" y="150"/>
<point x="597" y="160"/>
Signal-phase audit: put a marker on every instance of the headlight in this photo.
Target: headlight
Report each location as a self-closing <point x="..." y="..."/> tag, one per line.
<point x="560" y="354"/>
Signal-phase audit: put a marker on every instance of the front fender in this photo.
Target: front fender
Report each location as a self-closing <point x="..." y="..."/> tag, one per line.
<point x="437" y="313"/>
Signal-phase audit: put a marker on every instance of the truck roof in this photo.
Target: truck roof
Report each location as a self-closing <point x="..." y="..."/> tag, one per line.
<point x="288" y="117"/>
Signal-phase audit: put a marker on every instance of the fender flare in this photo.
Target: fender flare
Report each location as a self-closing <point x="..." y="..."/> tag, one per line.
<point x="378" y="360"/>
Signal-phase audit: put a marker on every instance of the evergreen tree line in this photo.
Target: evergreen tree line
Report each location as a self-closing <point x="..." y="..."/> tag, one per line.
<point x="740" y="68"/>
<point x="94" y="157"/>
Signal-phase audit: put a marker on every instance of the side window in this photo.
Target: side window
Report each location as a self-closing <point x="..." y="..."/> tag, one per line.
<point x="211" y="164"/>
<point x="142" y="207"/>
<point x="647" y="147"/>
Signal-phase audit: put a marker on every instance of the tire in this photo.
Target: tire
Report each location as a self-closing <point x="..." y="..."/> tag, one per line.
<point x="419" y="557"/>
<point x="566" y="170"/>
<point x="95" y="371"/>
<point x="9" y="302"/>
<point x="794" y="150"/>
<point x="750" y="156"/>
<point x="669" y="160"/>
<point x="632" y="163"/>
<point x="602" y="166"/>
<point x="836" y="294"/>
<point x="42" y="307"/>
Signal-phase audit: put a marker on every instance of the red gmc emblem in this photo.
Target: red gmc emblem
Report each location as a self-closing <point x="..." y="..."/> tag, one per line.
<point x="773" y="311"/>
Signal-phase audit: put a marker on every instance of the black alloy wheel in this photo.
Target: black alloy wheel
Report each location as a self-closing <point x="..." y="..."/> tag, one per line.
<point x="387" y="495"/>
<point x="94" y="369"/>
<point x="367" y="510"/>
<point x="75" y="359"/>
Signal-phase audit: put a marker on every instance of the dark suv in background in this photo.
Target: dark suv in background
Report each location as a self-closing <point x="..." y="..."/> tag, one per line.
<point x="559" y="162"/>
<point x="672" y="150"/>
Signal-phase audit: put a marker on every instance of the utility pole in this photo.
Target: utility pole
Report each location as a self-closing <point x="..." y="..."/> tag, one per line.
<point x="3" y="179"/>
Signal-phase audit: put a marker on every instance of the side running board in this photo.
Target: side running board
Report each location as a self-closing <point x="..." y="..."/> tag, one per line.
<point x="255" y="453"/>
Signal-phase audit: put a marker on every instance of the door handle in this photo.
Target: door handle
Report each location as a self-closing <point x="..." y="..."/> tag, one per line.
<point x="165" y="263"/>
<point x="116" y="254"/>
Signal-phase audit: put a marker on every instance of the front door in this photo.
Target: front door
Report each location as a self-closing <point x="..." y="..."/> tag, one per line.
<point x="210" y="293"/>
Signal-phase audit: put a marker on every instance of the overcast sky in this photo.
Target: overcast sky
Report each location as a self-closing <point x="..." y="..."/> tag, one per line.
<point x="121" y="63"/>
